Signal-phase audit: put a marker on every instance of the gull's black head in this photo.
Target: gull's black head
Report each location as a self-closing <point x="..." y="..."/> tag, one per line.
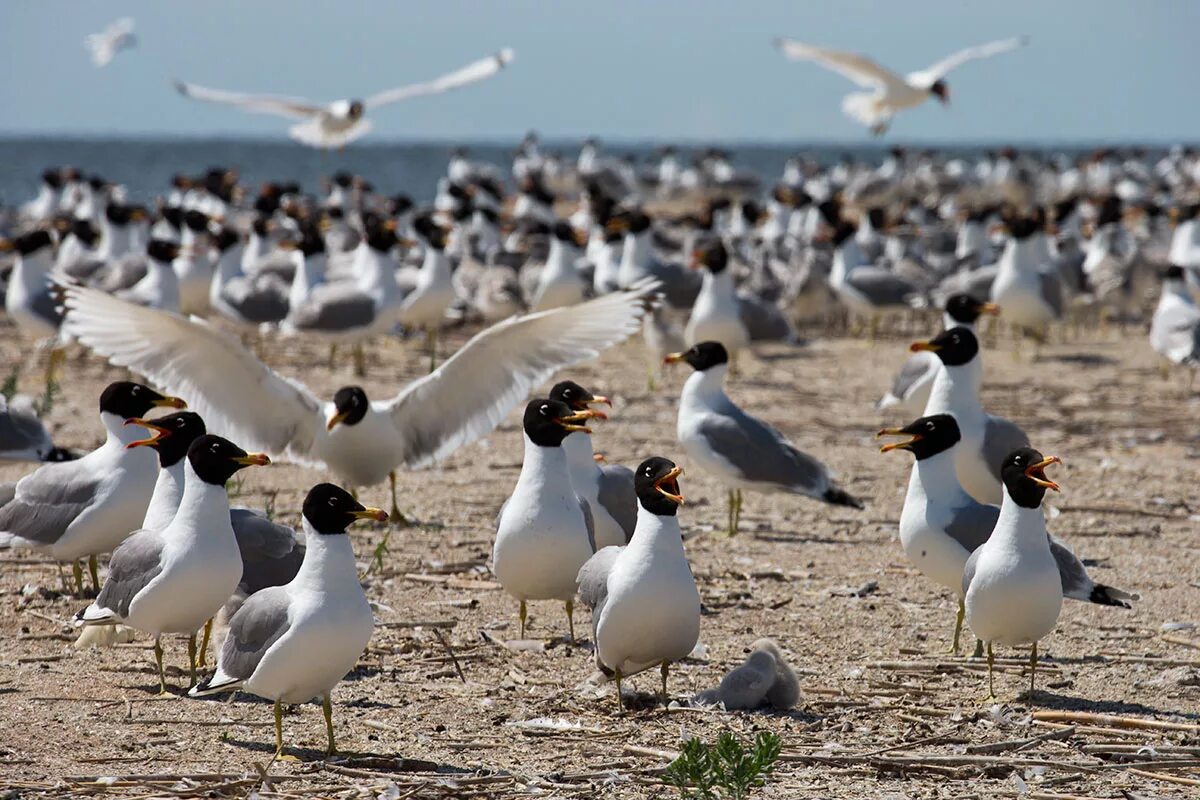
<point x="400" y="204"/>
<point x="711" y="256"/>
<point x="196" y="221"/>
<point x="356" y="109"/>
<point x="1109" y="212"/>
<point x="433" y="234"/>
<point x="128" y="400"/>
<point x="118" y="214"/>
<point x="226" y="238"/>
<point x="577" y="397"/>
<point x="96" y="183"/>
<point x="547" y="422"/>
<point x="52" y="177"/>
<point x="350" y="405"/>
<point x="32" y="242"/>
<point x="173" y="435"/>
<point x="564" y="233"/>
<point x="877" y="216"/>
<point x="331" y="509"/>
<point x="381" y="234"/>
<point x="928" y="436"/>
<point x="941" y="90"/>
<point x="1173" y="273"/>
<point x="955" y="347"/>
<point x="261" y="226"/>
<point x="702" y="356"/>
<point x="215" y="460"/>
<point x="966" y="309"/>
<point x="1024" y="475"/>
<point x="311" y="241"/>
<point x="842" y="231"/>
<point x="173" y="216"/>
<point x="657" y="485"/>
<point x="162" y="250"/>
<point x="1021" y="227"/>
<point x="85" y="232"/>
<point x="343" y="179"/>
<point x="631" y="220"/>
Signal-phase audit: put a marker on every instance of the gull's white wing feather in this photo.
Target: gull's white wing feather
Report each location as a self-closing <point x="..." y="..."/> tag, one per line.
<point x="935" y="72"/>
<point x="471" y="393"/>
<point x="237" y="395"/>
<point x="475" y="71"/>
<point x="258" y="103"/>
<point x="857" y="68"/>
<point x="103" y="46"/>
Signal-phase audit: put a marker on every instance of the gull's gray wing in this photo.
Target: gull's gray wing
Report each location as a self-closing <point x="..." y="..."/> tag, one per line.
<point x="257" y="625"/>
<point x="47" y="500"/>
<point x="919" y="366"/>
<point x="764" y="321"/>
<point x="7" y="492"/>
<point x="135" y="562"/>
<point x="1052" y="293"/>
<point x="1001" y="437"/>
<point x="255" y="304"/>
<point x="618" y="496"/>
<point x="22" y="433"/>
<point x="271" y="553"/>
<point x="589" y="521"/>
<point x="593" y="589"/>
<point x="761" y="455"/>
<point x="336" y="308"/>
<point x="880" y="286"/>
<point x="969" y="570"/>
<point x="46" y="307"/>
<point x="1076" y="583"/>
<point x="972" y="524"/>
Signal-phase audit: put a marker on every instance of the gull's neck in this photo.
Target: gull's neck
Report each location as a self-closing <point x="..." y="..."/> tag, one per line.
<point x="435" y="268"/>
<point x="1020" y="256"/>
<point x="544" y="470"/>
<point x="636" y="256"/>
<point x="956" y="391"/>
<point x="704" y="389"/>
<point x="580" y="461"/>
<point x="309" y="272"/>
<point x="1020" y="528"/>
<point x="168" y="492"/>
<point x="328" y="565"/>
<point x="934" y="480"/>
<point x="203" y="509"/>
<point x="656" y="534"/>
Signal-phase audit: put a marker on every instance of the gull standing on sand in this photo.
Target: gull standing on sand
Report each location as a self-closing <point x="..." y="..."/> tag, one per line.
<point x="544" y="533"/>
<point x="1175" y="327"/>
<point x="342" y="121"/>
<point x="360" y="441"/>
<point x="891" y="92"/>
<point x="910" y="390"/>
<point x="741" y="451"/>
<point x="716" y="315"/>
<point x="1013" y="593"/>
<point x="986" y="439"/>
<point x="293" y="643"/>
<point x="176" y="579"/>
<point x="608" y="489"/>
<point x="644" y="602"/>
<point x="88" y="506"/>
<point x="941" y="525"/>
<point x="424" y="308"/>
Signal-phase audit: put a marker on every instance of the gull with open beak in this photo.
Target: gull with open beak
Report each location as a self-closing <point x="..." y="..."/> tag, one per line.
<point x="986" y="438"/>
<point x="1013" y="592"/>
<point x="544" y="533"/>
<point x="644" y="601"/>
<point x="607" y="488"/>
<point x="296" y="642"/>
<point x="175" y="579"/>
<point x="910" y="389"/>
<point x="941" y="525"/>
<point x="79" y="509"/>
<point x="742" y="451"/>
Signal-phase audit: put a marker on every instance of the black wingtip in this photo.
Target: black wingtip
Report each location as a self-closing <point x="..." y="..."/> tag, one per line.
<point x="840" y="497"/>
<point x="1108" y="596"/>
<point x="57" y="454"/>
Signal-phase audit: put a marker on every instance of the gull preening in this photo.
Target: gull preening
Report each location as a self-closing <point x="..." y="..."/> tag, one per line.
<point x="890" y="91"/>
<point x="342" y="121"/>
<point x="105" y="45"/>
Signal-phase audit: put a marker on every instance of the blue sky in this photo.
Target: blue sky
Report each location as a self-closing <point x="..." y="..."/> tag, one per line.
<point x="1096" y="70"/>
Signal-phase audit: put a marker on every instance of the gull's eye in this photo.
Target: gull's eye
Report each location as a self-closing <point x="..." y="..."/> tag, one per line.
<point x="544" y="410"/>
<point x="929" y="426"/>
<point x="216" y="448"/>
<point x="333" y="502"/>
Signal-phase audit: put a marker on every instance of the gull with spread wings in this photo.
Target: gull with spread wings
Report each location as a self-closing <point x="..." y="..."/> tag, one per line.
<point x="891" y="92"/>
<point x="360" y="441"/>
<point x="342" y="121"/>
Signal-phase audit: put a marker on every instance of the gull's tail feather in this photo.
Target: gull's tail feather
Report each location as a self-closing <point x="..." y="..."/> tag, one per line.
<point x="1109" y="596"/>
<point x="209" y="686"/>
<point x="840" y="497"/>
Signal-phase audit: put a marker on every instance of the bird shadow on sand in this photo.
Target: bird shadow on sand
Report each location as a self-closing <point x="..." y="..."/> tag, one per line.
<point x="1082" y="359"/>
<point x="797" y="538"/>
<point x="1062" y="702"/>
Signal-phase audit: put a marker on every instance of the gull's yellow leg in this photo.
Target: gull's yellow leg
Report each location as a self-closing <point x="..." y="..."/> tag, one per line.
<point x="204" y="642"/>
<point x="158" y="660"/>
<point x="522" y="614"/>
<point x="958" y="623"/>
<point x="571" y="618"/>
<point x="991" y="662"/>
<point x="1032" y="666"/>
<point x="663" y="669"/>
<point x="620" y="702"/>
<point x="192" y="660"/>
<point x="94" y="572"/>
<point x="327" y="707"/>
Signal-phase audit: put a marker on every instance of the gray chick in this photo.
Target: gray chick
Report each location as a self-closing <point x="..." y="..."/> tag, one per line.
<point x="764" y="678"/>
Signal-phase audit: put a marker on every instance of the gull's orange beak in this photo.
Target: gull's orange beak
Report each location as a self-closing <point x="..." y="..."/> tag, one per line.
<point x="599" y="458"/>
<point x="335" y="420"/>
<point x="571" y="423"/>
<point x="253" y="460"/>
<point x="990" y="308"/>
<point x="152" y="440"/>
<point x="905" y="445"/>
<point x="1037" y="472"/>
<point x="389" y="225"/>
<point x="673" y="358"/>
<point x="668" y="485"/>
<point x="377" y="514"/>
<point x="918" y="347"/>
<point x="169" y="402"/>
<point x="696" y="261"/>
